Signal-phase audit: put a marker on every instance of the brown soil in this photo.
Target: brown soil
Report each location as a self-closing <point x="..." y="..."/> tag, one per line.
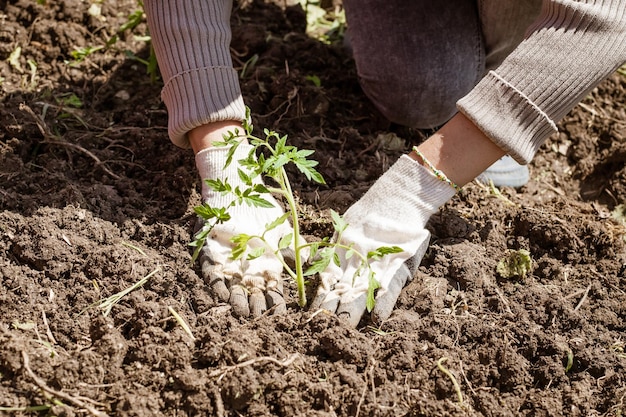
<point x="94" y="198"/>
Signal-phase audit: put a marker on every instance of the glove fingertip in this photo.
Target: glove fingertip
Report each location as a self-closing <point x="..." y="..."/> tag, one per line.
<point x="329" y="304"/>
<point x="219" y="289"/>
<point x="386" y="299"/>
<point x="257" y="303"/>
<point x="276" y="302"/>
<point x="353" y="311"/>
<point x="381" y="311"/>
<point x="239" y="301"/>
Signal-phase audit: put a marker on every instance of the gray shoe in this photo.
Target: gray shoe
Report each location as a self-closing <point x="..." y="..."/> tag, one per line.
<point x="506" y="172"/>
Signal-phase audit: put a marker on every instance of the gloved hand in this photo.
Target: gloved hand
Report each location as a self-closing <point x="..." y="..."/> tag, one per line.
<point x="393" y="212"/>
<point x="249" y="286"/>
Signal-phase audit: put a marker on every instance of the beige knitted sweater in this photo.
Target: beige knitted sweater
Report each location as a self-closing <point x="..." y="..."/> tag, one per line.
<point x="572" y="47"/>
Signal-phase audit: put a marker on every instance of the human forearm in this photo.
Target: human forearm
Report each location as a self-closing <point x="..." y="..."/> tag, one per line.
<point x="203" y="137"/>
<point x="460" y="150"/>
<point x="570" y="49"/>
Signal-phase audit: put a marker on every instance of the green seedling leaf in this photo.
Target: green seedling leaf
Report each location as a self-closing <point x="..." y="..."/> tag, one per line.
<point x="517" y="264"/>
<point x="198" y="243"/>
<point x="133" y="20"/>
<point x="245" y="178"/>
<point x="231" y="151"/>
<point x="313" y="248"/>
<point x="382" y="251"/>
<point x="220" y="186"/>
<point x="276" y="162"/>
<point x="321" y="262"/>
<point x="281" y="144"/>
<point x="372" y="286"/>
<point x="241" y="243"/>
<point x="71" y="100"/>
<point x="339" y="224"/>
<point x="249" y="65"/>
<point x="247" y="122"/>
<point x="79" y="54"/>
<point x="256" y="200"/>
<point x="255" y="253"/>
<point x="314" y="79"/>
<point x="261" y="189"/>
<point x="112" y="41"/>
<point x="336" y="259"/>
<point x="207" y="212"/>
<point x="282" y="219"/>
<point x="303" y="153"/>
<point x="285" y="241"/>
<point x="306" y="167"/>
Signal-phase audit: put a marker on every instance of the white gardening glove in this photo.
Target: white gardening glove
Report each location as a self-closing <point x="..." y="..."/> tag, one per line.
<point x="393" y="212"/>
<point x="249" y="286"/>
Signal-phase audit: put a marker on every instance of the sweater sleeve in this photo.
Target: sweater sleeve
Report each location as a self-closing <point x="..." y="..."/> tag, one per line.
<point x="191" y="40"/>
<point x="570" y="48"/>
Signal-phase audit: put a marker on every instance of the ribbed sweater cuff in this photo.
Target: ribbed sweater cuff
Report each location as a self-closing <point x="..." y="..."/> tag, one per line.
<point x="507" y="116"/>
<point x="201" y="96"/>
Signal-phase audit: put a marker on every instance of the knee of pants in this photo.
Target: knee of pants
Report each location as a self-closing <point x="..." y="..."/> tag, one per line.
<point x="422" y="105"/>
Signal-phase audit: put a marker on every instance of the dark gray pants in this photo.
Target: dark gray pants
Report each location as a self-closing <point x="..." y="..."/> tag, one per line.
<point x="416" y="58"/>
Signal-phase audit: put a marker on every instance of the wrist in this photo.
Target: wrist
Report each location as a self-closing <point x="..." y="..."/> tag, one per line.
<point x="203" y="137"/>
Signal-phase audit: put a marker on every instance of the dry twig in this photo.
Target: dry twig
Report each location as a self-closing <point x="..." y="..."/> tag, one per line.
<point x="58" y="394"/>
<point x="51" y="139"/>
<point x="220" y="373"/>
<point x="582" y="300"/>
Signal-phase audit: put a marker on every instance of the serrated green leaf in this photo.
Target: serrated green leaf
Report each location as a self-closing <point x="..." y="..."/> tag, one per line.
<point x="245" y="178"/>
<point x="349" y="253"/>
<point x="207" y="212"/>
<point x="285" y="241"/>
<point x="280" y="144"/>
<point x="231" y="151"/>
<point x="279" y="161"/>
<point x="201" y="235"/>
<point x="220" y="186"/>
<point x="247" y="122"/>
<point x="305" y="162"/>
<point x="303" y="153"/>
<point x="240" y="244"/>
<point x="313" y="248"/>
<point x="339" y="223"/>
<point x="255" y="253"/>
<point x="309" y="172"/>
<point x="383" y="250"/>
<point x="372" y="286"/>
<point x="280" y="220"/>
<point x="320" y="264"/>
<point x="257" y="201"/>
<point x="261" y="189"/>
<point x="200" y="240"/>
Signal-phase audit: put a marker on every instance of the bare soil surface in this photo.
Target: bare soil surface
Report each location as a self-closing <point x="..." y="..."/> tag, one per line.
<point x="94" y="198"/>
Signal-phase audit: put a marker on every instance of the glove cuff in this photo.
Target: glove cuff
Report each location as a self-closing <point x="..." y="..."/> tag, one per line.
<point x="421" y="181"/>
